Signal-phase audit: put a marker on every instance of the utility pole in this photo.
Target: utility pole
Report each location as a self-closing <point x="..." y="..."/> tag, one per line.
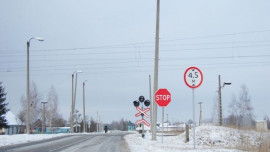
<point x="156" y="72"/>
<point x="220" y="103"/>
<point x="72" y="105"/>
<point x="84" y="125"/>
<point x="43" y="117"/>
<point x="151" y="105"/>
<point x="219" y="94"/>
<point x="200" y="120"/>
<point x="27" y="91"/>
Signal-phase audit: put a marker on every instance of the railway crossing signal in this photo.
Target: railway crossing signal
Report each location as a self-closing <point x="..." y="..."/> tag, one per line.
<point x="142" y="112"/>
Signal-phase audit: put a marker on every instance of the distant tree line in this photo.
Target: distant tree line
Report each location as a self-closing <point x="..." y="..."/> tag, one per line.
<point x="120" y="125"/>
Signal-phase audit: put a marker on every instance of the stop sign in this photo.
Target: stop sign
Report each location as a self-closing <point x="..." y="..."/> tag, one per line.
<point x="163" y="97"/>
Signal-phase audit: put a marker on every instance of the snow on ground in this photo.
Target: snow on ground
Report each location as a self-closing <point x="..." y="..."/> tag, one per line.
<point x="229" y="137"/>
<point x="6" y="140"/>
<point x="208" y="138"/>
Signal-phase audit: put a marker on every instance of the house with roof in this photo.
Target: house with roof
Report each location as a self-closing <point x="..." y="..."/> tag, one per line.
<point x="15" y="125"/>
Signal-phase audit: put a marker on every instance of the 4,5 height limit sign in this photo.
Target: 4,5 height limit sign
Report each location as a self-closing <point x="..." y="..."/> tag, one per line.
<point x="193" y="78"/>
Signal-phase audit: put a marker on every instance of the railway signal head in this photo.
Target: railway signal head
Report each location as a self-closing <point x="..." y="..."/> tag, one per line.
<point x="136" y="103"/>
<point x="147" y="103"/>
<point x="141" y="99"/>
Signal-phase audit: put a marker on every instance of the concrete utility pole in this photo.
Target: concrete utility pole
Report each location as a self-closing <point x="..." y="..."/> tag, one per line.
<point x="154" y="137"/>
<point x="43" y="117"/>
<point x="72" y="111"/>
<point x="200" y="120"/>
<point x="219" y="94"/>
<point x="151" y="105"/>
<point x="84" y="124"/>
<point x="73" y="100"/>
<point x="28" y="85"/>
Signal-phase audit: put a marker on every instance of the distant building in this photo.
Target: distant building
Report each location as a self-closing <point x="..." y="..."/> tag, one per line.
<point x="168" y="127"/>
<point x="15" y="125"/>
<point x="261" y="125"/>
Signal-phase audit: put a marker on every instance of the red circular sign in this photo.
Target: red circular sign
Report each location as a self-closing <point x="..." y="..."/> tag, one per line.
<point x="163" y="97"/>
<point x="193" y="77"/>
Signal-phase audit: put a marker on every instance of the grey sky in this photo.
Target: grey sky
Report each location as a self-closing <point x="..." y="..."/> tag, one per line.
<point x="112" y="42"/>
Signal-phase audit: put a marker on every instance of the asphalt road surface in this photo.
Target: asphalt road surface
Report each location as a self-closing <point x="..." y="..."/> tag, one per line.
<point x="110" y="142"/>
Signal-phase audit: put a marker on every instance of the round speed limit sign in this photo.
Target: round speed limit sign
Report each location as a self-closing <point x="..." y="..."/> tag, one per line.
<point x="193" y="77"/>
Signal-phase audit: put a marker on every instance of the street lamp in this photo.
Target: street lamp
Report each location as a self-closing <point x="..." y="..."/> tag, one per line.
<point x="84" y="126"/>
<point x="73" y="99"/>
<point x="27" y="83"/>
<point x="220" y="103"/>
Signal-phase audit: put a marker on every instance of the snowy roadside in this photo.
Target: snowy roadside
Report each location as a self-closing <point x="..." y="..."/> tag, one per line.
<point x="6" y="140"/>
<point x="209" y="139"/>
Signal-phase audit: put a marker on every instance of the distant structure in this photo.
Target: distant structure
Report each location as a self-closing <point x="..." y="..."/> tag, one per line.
<point x="261" y="125"/>
<point x="15" y="125"/>
<point x="200" y="120"/>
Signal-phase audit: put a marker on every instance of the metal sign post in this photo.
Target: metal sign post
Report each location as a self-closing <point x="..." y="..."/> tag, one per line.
<point x="194" y="125"/>
<point x="162" y="123"/>
<point x="163" y="98"/>
<point x="193" y="78"/>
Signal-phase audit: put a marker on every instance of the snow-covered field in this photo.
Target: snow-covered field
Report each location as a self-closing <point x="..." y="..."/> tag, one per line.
<point x="208" y="139"/>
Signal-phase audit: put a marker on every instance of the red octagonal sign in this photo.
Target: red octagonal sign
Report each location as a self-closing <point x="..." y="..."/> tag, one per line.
<point x="163" y="97"/>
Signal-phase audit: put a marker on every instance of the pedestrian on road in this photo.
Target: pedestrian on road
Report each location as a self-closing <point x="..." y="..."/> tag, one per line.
<point x="105" y="129"/>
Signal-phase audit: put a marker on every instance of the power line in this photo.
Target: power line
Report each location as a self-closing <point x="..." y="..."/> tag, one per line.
<point x="128" y="45"/>
<point x="142" y="61"/>
<point x="148" y="51"/>
<point x="134" y="66"/>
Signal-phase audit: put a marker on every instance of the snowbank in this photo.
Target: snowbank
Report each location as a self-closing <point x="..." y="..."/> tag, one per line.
<point x="227" y="137"/>
<point x="208" y="139"/>
<point x="6" y="140"/>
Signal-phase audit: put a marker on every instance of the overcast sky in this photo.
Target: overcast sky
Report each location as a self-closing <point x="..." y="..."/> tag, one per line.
<point x="112" y="42"/>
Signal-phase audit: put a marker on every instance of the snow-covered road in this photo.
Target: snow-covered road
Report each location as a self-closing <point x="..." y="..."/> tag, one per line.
<point x="111" y="142"/>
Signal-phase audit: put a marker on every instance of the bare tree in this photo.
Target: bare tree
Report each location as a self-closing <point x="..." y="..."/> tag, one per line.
<point x="215" y="112"/>
<point x="22" y="113"/>
<point x="93" y="126"/>
<point x="21" y="117"/>
<point x="234" y="111"/>
<point x="34" y="106"/>
<point x="241" y="111"/>
<point x="59" y="121"/>
<point x="246" y="110"/>
<point x="51" y="107"/>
